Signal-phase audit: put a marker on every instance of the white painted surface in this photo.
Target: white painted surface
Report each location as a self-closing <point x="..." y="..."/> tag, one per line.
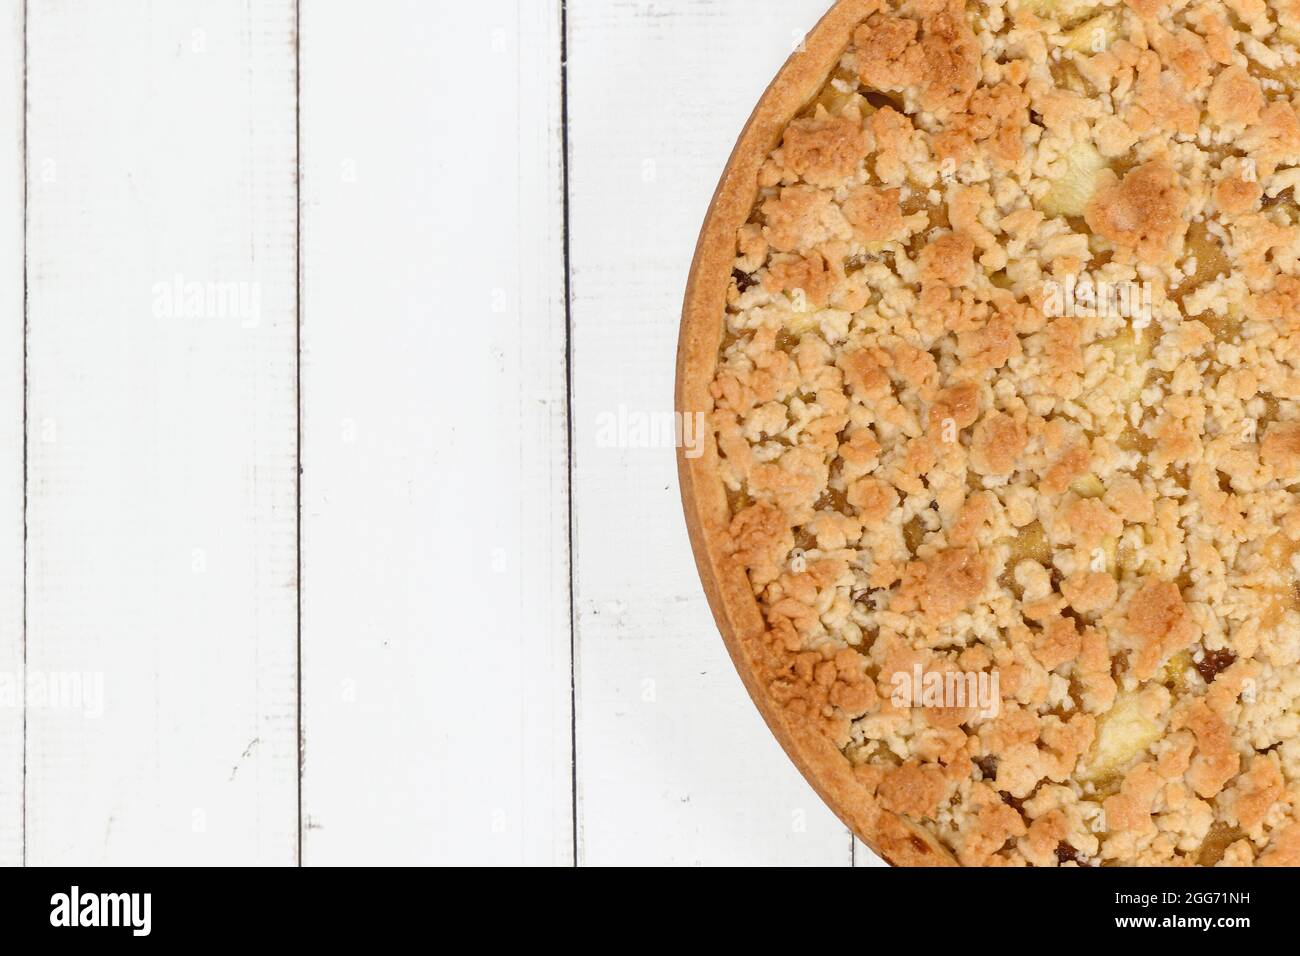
<point x="435" y="548"/>
<point x="11" y="433"/>
<point x="434" y="660"/>
<point x="161" y="443"/>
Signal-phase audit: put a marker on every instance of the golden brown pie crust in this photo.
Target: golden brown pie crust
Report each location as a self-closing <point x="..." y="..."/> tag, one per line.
<point x="1146" y="217"/>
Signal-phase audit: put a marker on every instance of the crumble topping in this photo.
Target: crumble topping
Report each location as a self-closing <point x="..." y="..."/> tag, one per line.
<point x="1140" y="214"/>
<point x="1010" y="385"/>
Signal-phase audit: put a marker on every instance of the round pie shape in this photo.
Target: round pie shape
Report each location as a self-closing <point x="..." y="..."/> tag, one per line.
<point x="995" y="317"/>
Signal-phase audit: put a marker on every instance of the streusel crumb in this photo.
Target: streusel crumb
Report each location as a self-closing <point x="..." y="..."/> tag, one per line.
<point x="1010" y="387"/>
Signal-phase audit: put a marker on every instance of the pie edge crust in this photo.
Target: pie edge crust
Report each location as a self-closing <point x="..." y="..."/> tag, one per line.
<point x="726" y="585"/>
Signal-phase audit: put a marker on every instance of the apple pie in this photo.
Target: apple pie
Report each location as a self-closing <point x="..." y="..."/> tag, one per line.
<point x="995" y="319"/>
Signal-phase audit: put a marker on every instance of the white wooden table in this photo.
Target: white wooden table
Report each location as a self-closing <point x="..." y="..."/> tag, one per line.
<point x="311" y="548"/>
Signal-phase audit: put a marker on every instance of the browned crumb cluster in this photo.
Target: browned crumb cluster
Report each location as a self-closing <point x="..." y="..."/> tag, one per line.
<point x="1010" y="386"/>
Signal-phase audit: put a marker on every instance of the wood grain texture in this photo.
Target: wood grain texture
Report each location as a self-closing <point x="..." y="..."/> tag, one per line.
<point x="11" y="432"/>
<point x="435" y="559"/>
<point x="161" y="433"/>
<point x="674" y="763"/>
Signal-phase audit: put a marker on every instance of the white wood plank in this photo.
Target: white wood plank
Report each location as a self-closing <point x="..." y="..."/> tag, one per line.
<point x="161" y="432"/>
<point x="675" y="765"/>
<point x="11" y="433"/>
<point x="435" y="591"/>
